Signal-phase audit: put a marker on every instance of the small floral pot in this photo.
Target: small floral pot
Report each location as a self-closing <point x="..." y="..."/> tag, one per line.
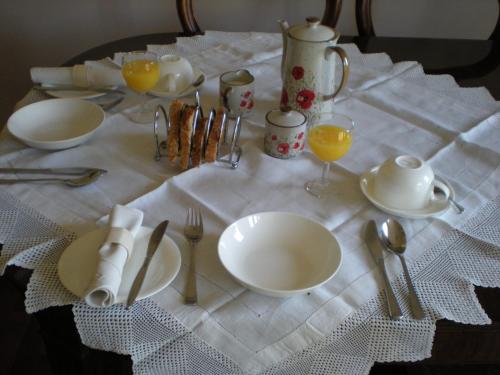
<point x="285" y="133"/>
<point x="237" y="92"/>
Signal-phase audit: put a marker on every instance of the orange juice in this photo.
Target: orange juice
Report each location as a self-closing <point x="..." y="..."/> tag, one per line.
<point x="329" y="142"/>
<point x="141" y="75"/>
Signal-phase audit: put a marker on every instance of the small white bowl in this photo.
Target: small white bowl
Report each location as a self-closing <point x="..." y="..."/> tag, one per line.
<point x="279" y="254"/>
<point x="56" y="124"/>
<point x="404" y="182"/>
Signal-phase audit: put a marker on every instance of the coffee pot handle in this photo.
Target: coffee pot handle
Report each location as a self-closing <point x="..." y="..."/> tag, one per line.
<point x="345" y="69"/>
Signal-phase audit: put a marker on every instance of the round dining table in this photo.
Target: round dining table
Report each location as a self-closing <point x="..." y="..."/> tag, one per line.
<point x="47" y="341"/>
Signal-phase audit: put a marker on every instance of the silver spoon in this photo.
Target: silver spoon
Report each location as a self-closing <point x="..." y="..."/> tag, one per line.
<point x="454" y="203"/>
<point x="393" y="237"/>
<point x="197" y="82"/>
<point x="73" y="182"/>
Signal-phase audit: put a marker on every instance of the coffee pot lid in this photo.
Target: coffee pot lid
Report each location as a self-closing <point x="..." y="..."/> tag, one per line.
<point x="312" y="31"/>
<point x="286" y="117"/>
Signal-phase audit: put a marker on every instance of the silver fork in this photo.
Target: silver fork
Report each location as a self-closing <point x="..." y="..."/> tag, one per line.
<point x="193" y="231"/>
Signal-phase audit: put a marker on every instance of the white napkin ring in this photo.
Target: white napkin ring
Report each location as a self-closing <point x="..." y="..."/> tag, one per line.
<point x="122" y="237"/>
<point x="79" y="75"/>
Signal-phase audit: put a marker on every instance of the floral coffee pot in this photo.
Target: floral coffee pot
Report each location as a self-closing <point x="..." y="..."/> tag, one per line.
<point x="308" y="67"/>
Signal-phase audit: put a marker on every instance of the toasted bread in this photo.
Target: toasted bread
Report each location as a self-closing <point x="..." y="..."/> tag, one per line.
<point x="175" y="113"/>
<point x="197" y="147"/>
<point x="214" y="136"/>
<point x="185" y="136"/>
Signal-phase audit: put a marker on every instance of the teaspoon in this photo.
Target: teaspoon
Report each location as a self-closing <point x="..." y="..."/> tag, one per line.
<point x="198" y="81"/>
<point x="393" y="237"/>
<point x="73" y="182"/>
<point x="454" y="203"/>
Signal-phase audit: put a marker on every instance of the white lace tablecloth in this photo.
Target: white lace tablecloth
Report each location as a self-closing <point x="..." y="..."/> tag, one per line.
<point x="339" y="328"/>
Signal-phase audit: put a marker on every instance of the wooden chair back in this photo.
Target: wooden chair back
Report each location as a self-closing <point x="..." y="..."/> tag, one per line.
<point x="364" y="20"/>
<point x="190" y="24"/>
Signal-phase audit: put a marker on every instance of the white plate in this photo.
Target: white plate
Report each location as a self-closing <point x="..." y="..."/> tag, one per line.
<point x="76" y="94"/>
<point x="279" y="254"/>
<point x="78" y="263"/>
<point x="56" y="124"/>
<point x="435" y="208"/>
<point x="172" y="95"/>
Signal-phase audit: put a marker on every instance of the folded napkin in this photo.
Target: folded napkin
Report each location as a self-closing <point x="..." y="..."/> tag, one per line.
<point x="124" y="223"/>
<point x="93" y="73"/>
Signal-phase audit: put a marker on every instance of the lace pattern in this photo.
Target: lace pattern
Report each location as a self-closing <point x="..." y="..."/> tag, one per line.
<point x="445" y="277"/>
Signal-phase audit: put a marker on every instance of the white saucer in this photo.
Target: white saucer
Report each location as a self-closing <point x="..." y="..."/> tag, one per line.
<point x="436" y="207"/>
<point x="172" y="95"/>
<point x="77" y="94"/>
<point x="78" y="262"/>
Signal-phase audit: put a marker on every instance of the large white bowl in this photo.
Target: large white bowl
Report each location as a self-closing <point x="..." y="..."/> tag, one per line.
<point x="279" y="254"/>
<point x="56" y="124"/>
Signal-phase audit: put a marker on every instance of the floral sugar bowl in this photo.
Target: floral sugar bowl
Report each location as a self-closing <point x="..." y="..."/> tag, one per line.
<point x="285" y="133"/>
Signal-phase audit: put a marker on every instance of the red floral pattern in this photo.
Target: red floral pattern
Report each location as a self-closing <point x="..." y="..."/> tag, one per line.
<point x="296" y="145"/>
<point x="298" y="72"/>
<point x="301" y="135"/>
<point x="283" y="148"/>
<point x="305" y="98"/>
<point x="247" y="100"/>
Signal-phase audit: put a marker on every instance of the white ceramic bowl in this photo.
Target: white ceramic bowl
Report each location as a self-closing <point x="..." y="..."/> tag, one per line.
<point x="56" y="124"/>
<point x="404" y="182"/>
<point x="279" y="254"/>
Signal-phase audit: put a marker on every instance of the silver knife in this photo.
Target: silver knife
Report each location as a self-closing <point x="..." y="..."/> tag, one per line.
<point x="154" y="241"/>
<point x="372" y="239"/>
<point x="77" y="171"/>
<point x="100" y="89"/>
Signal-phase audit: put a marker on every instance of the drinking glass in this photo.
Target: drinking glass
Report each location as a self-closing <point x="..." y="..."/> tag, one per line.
<point x="329" y="137"/>
<point x="141" y="71"/>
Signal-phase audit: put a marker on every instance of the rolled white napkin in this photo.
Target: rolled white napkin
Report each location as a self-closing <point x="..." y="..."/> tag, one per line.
<point x="124" y="223"/>
<point x="93" y="73"/>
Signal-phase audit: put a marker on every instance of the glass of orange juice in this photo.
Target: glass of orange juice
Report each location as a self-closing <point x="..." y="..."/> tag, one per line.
<point x="329" y="137"/>
<point x="141" y="71"/>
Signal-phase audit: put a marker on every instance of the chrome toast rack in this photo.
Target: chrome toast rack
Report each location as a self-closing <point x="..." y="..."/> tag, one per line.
<point x="228" y="150"/>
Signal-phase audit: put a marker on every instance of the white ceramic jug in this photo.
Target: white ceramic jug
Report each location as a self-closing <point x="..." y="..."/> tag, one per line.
<point x="308" y="67"/>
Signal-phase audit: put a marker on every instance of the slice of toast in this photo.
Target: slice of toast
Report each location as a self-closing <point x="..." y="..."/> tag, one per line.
<point x="214" y="136"/>
<point x="197" y="147"/>
<point x="185" y="134"/>
<point x="175" y="114"/>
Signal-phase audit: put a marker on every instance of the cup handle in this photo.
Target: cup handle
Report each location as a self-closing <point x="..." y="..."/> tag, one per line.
<point x="345" y="69"/>
<point x="171" y="82"/>
<point x="458" y="207"/>
<point x="225" y="93"/>
<point x="443" y="187"/>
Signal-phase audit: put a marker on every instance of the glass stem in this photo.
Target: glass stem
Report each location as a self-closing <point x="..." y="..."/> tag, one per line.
<point x="324" y="174"/>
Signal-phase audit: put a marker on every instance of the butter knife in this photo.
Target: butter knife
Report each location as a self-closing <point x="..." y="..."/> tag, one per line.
<point x="99" y="89"/>
<point x="154" y="241"/>
<point x="373" y="242"/>
<point x="77" y="171"/>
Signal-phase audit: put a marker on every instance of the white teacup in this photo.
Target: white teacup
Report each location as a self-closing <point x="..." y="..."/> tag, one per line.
<point x="406" y="182"/>
<point x="176" y="73"/>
